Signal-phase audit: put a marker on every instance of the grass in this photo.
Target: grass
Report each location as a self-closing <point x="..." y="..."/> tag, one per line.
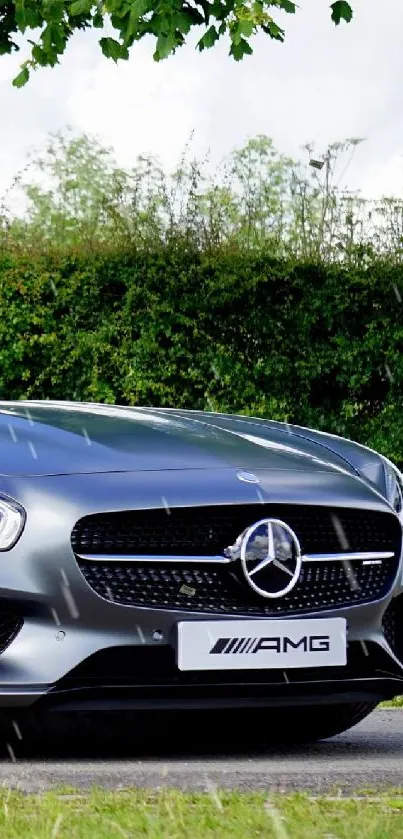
<point x="397" y="702"/>
<point x="169" y="814"/>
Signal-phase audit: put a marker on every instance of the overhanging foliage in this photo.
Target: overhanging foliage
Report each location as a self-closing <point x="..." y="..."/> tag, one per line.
<point x="169" y="21"/>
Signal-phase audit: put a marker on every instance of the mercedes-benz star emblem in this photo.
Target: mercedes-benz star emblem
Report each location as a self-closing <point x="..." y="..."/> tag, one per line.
<point x="248" y="478"/>
<point x="270" y="556"/>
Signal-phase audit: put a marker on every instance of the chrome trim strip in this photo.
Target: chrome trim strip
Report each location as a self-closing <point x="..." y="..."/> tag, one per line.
<point x="348" y="556"/>
<point x="221" y="560"/>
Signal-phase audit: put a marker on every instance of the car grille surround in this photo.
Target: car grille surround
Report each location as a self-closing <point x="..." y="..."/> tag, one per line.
<point x="206" y="587"/>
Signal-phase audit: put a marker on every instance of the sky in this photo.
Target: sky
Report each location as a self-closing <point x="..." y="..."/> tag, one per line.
<point x="323" y="84"/>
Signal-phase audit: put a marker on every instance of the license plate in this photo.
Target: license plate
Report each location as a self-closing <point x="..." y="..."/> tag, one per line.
<point x="261" y="644"/>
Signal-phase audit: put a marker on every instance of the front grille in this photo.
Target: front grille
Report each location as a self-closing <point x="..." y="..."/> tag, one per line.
<point x="218" y="590"/>
<point x="208" y="530"/>
<point x="222" y="589"/>
<point x="10" y="625"/>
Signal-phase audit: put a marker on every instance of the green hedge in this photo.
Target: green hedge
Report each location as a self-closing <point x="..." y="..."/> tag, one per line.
<point x="321" y="346"/>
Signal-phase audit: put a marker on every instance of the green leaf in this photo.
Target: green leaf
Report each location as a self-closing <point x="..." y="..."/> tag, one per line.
<point x="112" y="49"/>
<point x="52" y="11"/>
<point x="205" y="5"/>
<point x="274" y="31"/>
<point x="22" y="78"/>
<point x="44" y="57"/>
<point x="183" y="22"/>
<point x="138" y="9"/>
<point x="80" y="7"/>
<point x="288" y="6"/>
<point x="209" y="38"/>
<point x="20" y="15"/>
<point x="33" y="18"/>
<point x="341" y="10"/>
<point x="165" y="46"/>
<point x="240" y="49"/>
<point x="245" y="27"/>
<point x="53" y="38"/>
<point x="219" y="10"/>
<point x="97" y="20"/>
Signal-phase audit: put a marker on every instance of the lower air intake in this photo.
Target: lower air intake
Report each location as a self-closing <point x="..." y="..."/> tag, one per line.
<point x="10" y="625"/>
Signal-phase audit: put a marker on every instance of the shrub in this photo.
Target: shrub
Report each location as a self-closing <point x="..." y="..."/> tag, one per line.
<point x="313" y="344"/>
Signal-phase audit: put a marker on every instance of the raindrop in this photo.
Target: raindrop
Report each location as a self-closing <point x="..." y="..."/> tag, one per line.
<point x="212" y="790"/>
<point x="141" y="634"/>
<point x="32" y="450"/>
<point x="166" y="505"/>
<point x="389" y="373"/>
<point x="28" y="416"/>
<point x="339" y="530"/>
<point x="17" y="729"/>
<point x="87" y="437"/>
<point x="277" y="820"/>
<point x="56" y="826"/>
<point x="55" y="617"/>
<point x="11" y="753"/>
<point x="70" y="602"/>
<point x="397" y="293"/>
<point x="351" y="578"/>
<point x="64" y="578"/>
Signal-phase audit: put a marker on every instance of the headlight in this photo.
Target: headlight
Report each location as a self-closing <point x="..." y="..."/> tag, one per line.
<point x="394" y="487"/>
<point x="12" y="520"/>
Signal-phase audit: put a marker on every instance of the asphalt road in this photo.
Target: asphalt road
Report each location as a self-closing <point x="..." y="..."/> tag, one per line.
<point x="131" y="753"/>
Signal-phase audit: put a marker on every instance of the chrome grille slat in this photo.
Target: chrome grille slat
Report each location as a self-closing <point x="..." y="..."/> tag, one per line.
<point x="222" y="560"/>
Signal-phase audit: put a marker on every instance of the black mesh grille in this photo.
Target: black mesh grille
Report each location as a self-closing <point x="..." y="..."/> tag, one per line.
<point x="222" y="589"/>
<point x="208" y="530"/>
<point x="218" y="590"/>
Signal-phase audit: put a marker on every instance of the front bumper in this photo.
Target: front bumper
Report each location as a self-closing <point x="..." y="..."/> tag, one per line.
<point x="70" y="638"/>
<point x="79" y="664"/>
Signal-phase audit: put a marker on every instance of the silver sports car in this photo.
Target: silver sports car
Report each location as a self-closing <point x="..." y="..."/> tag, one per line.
<point x="160" y="558"/>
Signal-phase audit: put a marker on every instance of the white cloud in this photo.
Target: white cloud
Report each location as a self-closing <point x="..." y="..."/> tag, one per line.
<point x="385" y="179"/>
<point x="323" y="84"/>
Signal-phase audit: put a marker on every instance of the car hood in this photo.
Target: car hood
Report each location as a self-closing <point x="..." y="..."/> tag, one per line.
<point x="55" y="438"/>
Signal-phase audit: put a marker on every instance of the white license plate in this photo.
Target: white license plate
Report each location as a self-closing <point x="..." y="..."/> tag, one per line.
<point x="261" y="644"/>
